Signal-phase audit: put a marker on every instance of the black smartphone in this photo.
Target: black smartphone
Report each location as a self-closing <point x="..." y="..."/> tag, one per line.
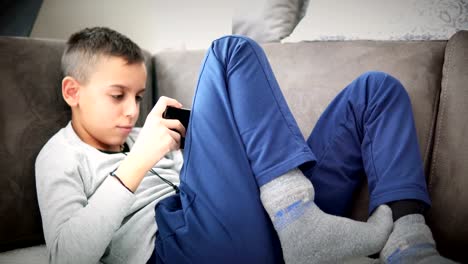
<point x="181" y="114"/>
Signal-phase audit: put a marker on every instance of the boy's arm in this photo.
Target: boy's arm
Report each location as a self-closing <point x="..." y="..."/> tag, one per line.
<point x="157" y="137"/>
<point x="77" y="229"/>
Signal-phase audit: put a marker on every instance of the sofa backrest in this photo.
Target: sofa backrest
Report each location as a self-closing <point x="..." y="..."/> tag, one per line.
<point x="32" y="110"/>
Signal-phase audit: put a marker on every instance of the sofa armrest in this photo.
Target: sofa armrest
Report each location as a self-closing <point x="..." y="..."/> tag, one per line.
<point x="448" y="178"/>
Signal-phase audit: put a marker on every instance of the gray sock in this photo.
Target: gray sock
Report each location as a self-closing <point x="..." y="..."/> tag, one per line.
<point x="360" y="260"/>
<point x="411" y="241"/>
<point x="308" y="235"/>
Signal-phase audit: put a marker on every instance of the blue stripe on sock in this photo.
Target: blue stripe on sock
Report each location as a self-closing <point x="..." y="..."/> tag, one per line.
<point x="400" y="254"/>
<point x="286" y="216"/>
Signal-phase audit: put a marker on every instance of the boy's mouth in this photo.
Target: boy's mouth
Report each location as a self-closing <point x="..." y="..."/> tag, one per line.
<point x="125" y="129"/>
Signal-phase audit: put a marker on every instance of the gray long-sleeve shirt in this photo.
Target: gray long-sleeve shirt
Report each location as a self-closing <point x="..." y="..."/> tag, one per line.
<point x="87" y="215"/>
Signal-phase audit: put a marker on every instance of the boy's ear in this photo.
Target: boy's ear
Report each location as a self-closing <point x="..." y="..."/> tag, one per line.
<point x="70" y="90"/>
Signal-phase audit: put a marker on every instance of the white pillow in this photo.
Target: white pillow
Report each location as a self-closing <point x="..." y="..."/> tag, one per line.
<point x="267" y="20"/>
<point x="381" y="20"/>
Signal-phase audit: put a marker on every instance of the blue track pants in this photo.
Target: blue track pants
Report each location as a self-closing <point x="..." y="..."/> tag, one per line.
<point x="242" y="135"/>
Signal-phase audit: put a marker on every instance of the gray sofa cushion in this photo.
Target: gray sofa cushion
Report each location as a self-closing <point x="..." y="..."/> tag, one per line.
<point x="176" y="74"/>
<point x="32" y="111"/>
<point x="448" y="180"/>
<point x="29" y="83"/>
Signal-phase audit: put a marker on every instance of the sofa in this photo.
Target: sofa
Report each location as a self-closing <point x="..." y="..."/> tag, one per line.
<point x="435" y="74"/>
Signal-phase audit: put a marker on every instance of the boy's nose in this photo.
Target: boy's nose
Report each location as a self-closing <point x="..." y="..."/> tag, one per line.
<point x="131" y="108"/>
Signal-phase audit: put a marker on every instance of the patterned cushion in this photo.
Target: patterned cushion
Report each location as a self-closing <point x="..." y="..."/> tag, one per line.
<point x="268" y="20"/>
<point x="381" y="20"/>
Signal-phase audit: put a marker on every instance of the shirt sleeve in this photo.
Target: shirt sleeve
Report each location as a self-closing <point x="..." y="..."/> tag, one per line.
<point x="76" y="228"/>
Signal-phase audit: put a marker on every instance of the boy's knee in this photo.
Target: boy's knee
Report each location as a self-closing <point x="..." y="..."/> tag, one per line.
<point x="383" y="82"/>
<point x="233" y="40"/>
<point x="225" y="48"/>
<point x="374" y="77"/>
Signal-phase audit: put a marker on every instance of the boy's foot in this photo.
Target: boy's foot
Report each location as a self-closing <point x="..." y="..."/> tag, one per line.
<point x="308" y="235"/>
<point x="411" y="241"/>
<point x="361" y="260"/>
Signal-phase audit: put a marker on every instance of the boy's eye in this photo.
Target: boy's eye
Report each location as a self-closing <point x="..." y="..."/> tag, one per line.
<point x="117" y="96"/>
<point x="139" y="98"/>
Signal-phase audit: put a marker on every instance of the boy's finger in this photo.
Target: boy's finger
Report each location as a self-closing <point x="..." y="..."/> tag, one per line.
<point x="173" y="102"/>
<point x="176" y="136"/>
<point x="174" y="124"/>
<point x="162" y="104"/>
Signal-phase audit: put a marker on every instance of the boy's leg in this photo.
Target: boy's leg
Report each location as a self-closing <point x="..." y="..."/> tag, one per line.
<point x="241" y="136"/>
<point x="411" y="242"/>
<point x="368" y="129"/>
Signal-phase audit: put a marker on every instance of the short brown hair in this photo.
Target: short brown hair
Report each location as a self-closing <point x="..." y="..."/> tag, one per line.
<point x="84" y="48"/>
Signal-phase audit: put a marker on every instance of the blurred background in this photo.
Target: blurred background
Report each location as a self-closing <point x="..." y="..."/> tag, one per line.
<point x="185" y="24"/>
<point x="153" y="24"/>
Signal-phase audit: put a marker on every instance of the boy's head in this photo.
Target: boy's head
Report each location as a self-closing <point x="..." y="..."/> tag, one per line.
<point x="105" y="77"/>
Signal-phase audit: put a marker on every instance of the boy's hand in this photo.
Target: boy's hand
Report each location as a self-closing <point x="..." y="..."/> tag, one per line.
<point x="156" y="138"/>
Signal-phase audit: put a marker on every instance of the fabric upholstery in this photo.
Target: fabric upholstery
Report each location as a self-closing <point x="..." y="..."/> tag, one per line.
<point x="177" y="74"/>
<point x="448" y="177"/>
<point x="32" y="110"/>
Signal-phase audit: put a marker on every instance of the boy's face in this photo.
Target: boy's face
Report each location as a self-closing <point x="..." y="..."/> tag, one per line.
<point x="108" y="104"/>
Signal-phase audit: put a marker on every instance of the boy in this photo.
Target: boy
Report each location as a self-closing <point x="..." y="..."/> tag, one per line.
<point x="243" y="167"/>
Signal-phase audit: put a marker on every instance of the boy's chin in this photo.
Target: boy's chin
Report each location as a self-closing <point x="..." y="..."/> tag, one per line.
<point x="116" y="144"/>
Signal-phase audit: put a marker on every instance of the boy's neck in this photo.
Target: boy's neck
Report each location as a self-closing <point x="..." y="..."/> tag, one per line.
<point x="123" y="148"/>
